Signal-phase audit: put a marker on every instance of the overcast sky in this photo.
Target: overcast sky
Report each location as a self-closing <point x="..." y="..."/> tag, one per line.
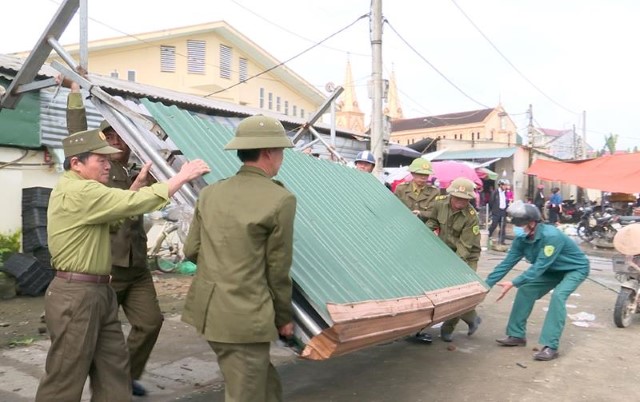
<point x="580" y="54"/>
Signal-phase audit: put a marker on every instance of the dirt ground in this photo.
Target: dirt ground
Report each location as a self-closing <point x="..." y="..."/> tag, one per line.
<point x="21" y="320"/>
<point x="598" y="361"/>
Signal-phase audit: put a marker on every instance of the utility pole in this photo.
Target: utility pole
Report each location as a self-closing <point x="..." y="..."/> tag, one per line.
<point x="584" y="135"/>
<point x="530" y="138"/>
<point x="377" y="145"/>
<point x="530" y="132"/>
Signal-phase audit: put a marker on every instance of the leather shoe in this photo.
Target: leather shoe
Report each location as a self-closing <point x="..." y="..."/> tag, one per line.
<point x="473" y="327"/>
<point x="546" y="354"/>
<point x="512" y="341"/>
<point x="137" y="389"/>
<point x="422" y="337"/>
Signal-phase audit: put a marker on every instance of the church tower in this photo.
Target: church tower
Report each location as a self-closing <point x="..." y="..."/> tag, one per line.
<point x="393" y="110"/>
<point x="348" y="113"/>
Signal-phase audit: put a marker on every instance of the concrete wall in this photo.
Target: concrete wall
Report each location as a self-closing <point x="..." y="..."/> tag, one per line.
<point x="29" y="171"/>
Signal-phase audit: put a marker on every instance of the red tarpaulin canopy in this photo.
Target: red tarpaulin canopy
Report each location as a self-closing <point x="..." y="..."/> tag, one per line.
<point x="614" y="173"/>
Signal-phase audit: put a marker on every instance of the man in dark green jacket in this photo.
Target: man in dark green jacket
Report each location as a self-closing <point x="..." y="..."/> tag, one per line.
<point x="456" y="223"/>
<point x="557" y="264"/>
<point x="241" y="238"/>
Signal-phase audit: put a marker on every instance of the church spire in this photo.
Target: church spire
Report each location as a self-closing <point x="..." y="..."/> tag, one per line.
<point x="349" y="114"/>
<point x="349" y="101"/>
<point x="393" y="109"/>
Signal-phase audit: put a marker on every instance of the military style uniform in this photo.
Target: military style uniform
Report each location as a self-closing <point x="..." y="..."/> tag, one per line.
<point x="131" y="278"/>
<point x="80" y="307"/>
<point x="460" y="231"/>
<point x="417" y="199"/>
<point x="241" y="238"/>
<point x="556" y="263"/>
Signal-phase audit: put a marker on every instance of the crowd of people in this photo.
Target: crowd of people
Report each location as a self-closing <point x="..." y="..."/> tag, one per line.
<point x="240" y="297"/>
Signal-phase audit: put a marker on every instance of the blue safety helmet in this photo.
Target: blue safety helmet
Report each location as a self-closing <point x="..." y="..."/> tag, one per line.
<point x="365" y="156"/>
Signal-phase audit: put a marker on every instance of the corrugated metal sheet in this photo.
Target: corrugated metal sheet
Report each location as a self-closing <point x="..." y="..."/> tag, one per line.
<point x="53" y="116"/>
<point x="354" y="241"/>
<point x="472" y="154"/>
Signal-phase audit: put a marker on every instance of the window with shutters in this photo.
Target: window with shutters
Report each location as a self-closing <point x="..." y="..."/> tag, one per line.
<point x="131" y="75"/>
<point x="302" y="113"/>
<point x="286" y="107"/>
<point x="295" y="110"/>
<point x="195" y="56"/>
<point x="277" y="104"/>
<point x="168" y="59"/>
<point x="225" y="62"/>
<point x="270" y="101"/>
<point x="243" y="70"/>
<point x="262" y="98"/>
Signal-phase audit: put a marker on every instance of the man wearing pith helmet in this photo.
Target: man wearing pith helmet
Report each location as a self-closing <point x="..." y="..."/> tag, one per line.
<point x="457" y="225"/>
<point x="418" y="194"/>
<point x="241" y="238"/>
<point x="80" y="307"/>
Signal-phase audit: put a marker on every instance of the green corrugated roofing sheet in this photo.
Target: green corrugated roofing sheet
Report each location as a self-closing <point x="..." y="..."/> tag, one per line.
<point x="21" y="127"/>
<point x="354" y="241"/>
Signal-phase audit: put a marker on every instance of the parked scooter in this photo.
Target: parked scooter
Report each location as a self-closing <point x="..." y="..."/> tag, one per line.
<point x="595" y="226"/>
<point x="570" y="212"/>
<point x="627" y="271"/>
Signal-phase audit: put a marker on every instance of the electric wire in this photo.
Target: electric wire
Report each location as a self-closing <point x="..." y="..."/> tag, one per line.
<point x="292" y="32"/>
<point x="291" y="58"/>
<point x="509" y="61"/>
<point x="432" y="66"/>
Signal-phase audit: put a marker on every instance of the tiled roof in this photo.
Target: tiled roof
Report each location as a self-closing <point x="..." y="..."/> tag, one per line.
<point x="451" y="119"/>
<point x="476" y="154"/>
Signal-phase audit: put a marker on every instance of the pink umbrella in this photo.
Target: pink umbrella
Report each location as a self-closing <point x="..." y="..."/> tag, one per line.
<point x="447" y="171"/>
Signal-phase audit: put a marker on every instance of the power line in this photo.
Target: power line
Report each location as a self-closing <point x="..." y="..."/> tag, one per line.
<point x="291" y="58"/>
<point x="434" y="67"/>
<point x="292" y="32"/>
<point x="509" y="61"/>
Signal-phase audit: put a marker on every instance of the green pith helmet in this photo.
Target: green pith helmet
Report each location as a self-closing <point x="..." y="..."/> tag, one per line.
<point x="420" y="166"/>
<point x="104" y="125"/>
<point x="258" y="132"/>
<point x="87" y="141"/>
<point x="462" y="188"/>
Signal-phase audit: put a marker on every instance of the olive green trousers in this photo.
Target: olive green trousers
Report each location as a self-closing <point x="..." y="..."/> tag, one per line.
<point x="248" y="373"/>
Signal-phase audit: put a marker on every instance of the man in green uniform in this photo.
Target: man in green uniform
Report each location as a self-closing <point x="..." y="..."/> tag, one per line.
<point x="241" y="238"/>
<point x="557" y="264"/>
<point x="80" y="307"/>
<point x="418" y="194"/>
<point x="130" y="276"/>
<point x="457" y="225"/>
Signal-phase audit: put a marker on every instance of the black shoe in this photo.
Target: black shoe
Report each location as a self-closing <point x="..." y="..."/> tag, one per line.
<point x="473" y="327"/>
<point x="422" y="337"/>
<point x="137" y="389"/>
<point x="546" y="354"/>
<point x="512" y="341"/>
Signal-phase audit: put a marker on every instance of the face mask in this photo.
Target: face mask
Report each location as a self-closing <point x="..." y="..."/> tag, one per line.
<point x="519" y="231"/>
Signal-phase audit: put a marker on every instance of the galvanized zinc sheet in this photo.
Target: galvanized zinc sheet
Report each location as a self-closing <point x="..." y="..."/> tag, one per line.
<point x="354" y="241"/>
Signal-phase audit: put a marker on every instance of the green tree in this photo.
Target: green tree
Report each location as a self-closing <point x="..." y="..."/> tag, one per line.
<point x="610" y="142"/>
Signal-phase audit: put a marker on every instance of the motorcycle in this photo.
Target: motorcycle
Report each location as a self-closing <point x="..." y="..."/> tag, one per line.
<point x="627" y="270"/>
<point x="570" y="212"/>
<point x="595" y="226"/>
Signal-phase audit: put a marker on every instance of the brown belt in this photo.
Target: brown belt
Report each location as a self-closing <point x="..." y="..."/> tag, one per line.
<point x="78" y="277"/>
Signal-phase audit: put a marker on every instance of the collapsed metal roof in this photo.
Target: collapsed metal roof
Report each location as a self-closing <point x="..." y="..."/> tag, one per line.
<point x="355" y="242"/>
